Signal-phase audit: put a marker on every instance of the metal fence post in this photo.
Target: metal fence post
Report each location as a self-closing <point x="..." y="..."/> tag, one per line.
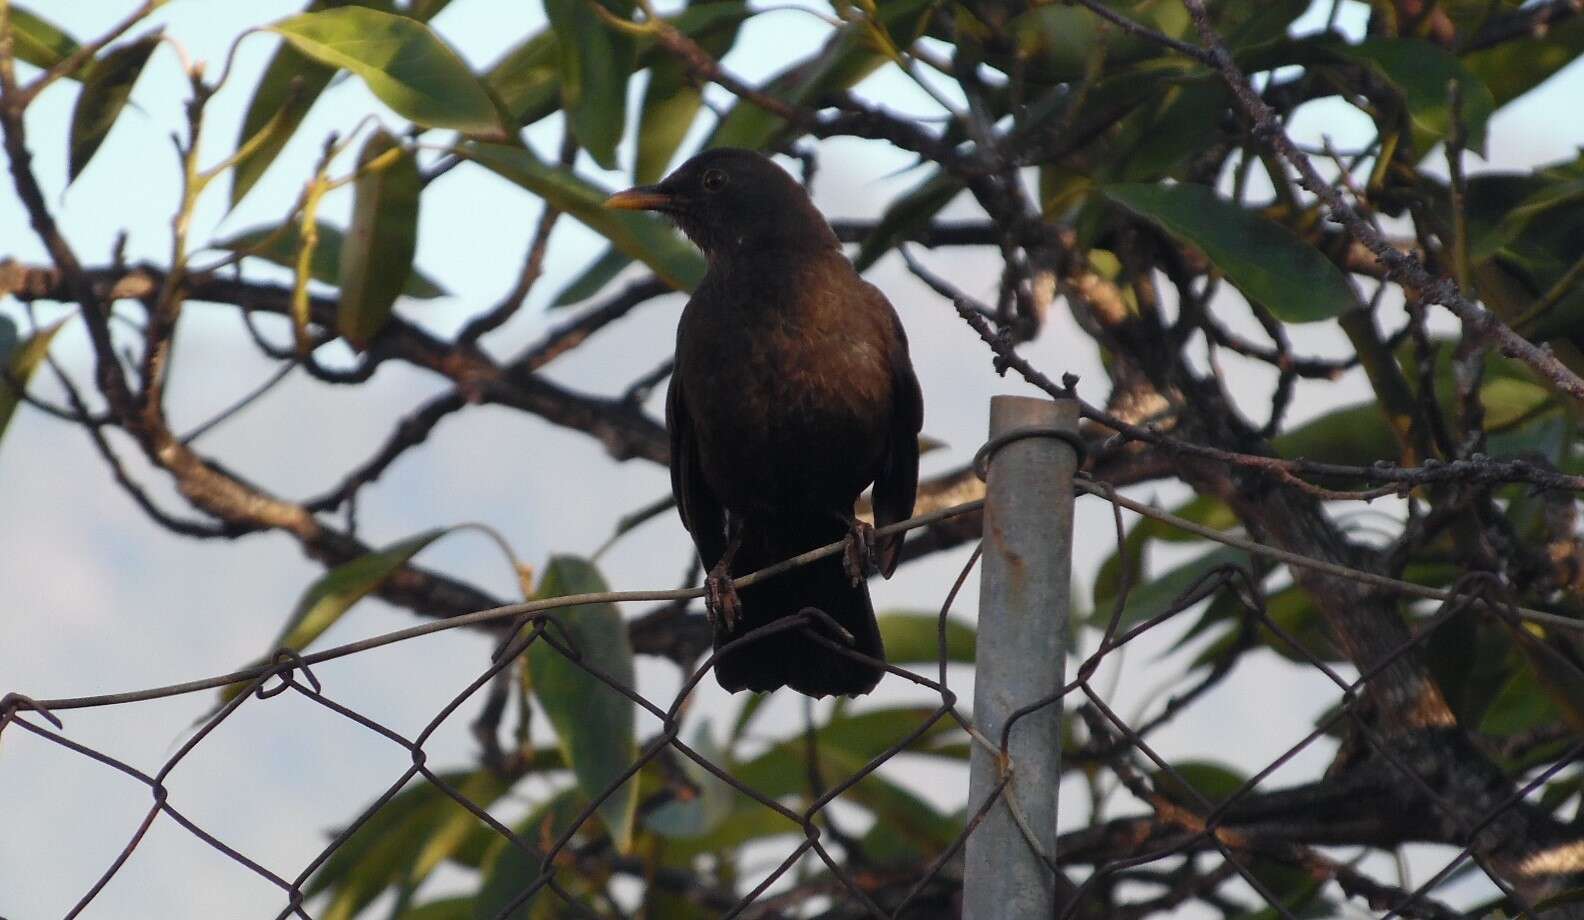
<point x="1023" y="599"/>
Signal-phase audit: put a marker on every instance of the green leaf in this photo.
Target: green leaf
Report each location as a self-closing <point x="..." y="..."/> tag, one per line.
<point x="1185" y="121"/>
<point x="104" y="94"/>
<point x="1559" y="792"/>
<point x="509" y="870"/>
<point x="911" y="210"/>
<point x="1058" y="40"/>
<point x="1246" y="25"/>
<point x="1265" y="260"/>
<point x="914" y="637"/>
<point x="1055" y="43"/>
<point x="1488" y="200"/>
<point x="857" y="738"/>
<point x="399" y="821"/>
<point x="1201" y="509"/>
<point x="1129" y="558"/>
<point x="1422" y="72"/>
<point x="381" y="853"/>
<point x="745" y="715"/>
<point x="338" y="589"/>
<point x="377" y="259"/>
<point x="1294" y="611"/>
<point x="20" y="361"/>
<point x="594" y="723"/>
<point x="527" y="79"/>
<point x="1354" y="435"/>
<point x="1470" y="659"/>
<point x="1507" y="401"/>
<point x="401" y="61"/>
<point x="334" y="593"/>
<point x="910" y="816"/>
<point x="642" y="236"/>
<point x="1556" y="669"/>
<point x="443" y="909"/>
<point x="1518" y="65"/>
<point x="279" y="245"/>
<point x="660" y="903"/>
<point x="40" y="42"/>
<point x="512" y="871"/>
<point x="1154" y="595"/>
<point x="1214" y="781"/>
<point x="592" y="279"/>
<point x="1521" y="705"/>
<point x="1563" y="192"/>
<point x="452" y="831"/>
<point x="845" y="746"/>
<point x="1358" y="435"/>
<point x="672" y="100"/>
<point x="1510" y="391"/>
<point x="847" y="58"/>
<point x="671" y="103"/>
<point x="1295" y="888"/>
<point x="711" y="800"/>
<point x="595" y="62"/>
<point x="748" y="821"/>
<point x="291" y="83"/>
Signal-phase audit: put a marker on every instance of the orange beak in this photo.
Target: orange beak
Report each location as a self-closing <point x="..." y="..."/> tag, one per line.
<point x="642" y="198"/>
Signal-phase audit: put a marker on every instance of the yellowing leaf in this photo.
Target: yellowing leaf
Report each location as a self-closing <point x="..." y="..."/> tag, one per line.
<point x="38" y="41"/>
<point x="279" y="245"/>
<point x="288" y="88"/>
<point x="337" y="590"/>
<point x="20" y="361"/>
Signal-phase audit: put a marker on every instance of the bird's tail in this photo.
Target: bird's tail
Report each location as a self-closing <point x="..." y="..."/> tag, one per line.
<point x="792" y="658"/>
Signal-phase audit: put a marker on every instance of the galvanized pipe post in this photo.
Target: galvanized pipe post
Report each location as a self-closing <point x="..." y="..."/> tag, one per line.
<point x="1024" y="592"/>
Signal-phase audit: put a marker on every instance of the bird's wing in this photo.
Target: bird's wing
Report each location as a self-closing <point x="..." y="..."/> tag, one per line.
<point x="897" y="485"/>
<point x="701" y="512"/>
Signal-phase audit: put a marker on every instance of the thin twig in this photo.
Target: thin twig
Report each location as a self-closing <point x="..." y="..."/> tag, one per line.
<point x="1404" y="268"/>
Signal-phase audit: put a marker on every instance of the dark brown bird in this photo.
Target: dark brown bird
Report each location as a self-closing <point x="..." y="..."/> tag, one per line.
<point x="792" y="392"/>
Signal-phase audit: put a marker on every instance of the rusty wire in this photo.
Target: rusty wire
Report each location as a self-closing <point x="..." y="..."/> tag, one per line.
<point x="1198" y="823"/>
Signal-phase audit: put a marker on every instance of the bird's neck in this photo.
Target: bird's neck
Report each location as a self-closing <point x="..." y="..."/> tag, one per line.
<point x="771" y="261"/>
<point x="773" y="285"/>
<point x="773" y="252"/>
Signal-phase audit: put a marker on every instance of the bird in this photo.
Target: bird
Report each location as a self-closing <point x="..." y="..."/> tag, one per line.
<point x="791" y="392"/>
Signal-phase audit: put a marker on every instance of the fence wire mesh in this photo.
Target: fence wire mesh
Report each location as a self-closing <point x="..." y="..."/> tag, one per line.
<point x="1161" y="847"/>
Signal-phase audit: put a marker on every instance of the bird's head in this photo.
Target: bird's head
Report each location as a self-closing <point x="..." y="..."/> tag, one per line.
<point x="729" y="201"/>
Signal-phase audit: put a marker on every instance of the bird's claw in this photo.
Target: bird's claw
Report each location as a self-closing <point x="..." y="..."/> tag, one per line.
<point x="721" y="601"/>
<point x="858" y="556"/>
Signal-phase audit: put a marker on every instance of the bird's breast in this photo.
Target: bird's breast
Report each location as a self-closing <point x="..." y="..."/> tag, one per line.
<point x="790" y="405"/>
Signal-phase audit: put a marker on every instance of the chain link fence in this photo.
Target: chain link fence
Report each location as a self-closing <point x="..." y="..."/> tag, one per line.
<point x="1160" y="851"/>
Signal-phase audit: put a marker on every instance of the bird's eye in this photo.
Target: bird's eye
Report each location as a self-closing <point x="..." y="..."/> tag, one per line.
<point x="714" y="180"/>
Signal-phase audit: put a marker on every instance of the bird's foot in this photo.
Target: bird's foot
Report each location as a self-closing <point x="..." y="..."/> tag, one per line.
<point x="858" y="556"/>
<point x="721" y="601"/>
